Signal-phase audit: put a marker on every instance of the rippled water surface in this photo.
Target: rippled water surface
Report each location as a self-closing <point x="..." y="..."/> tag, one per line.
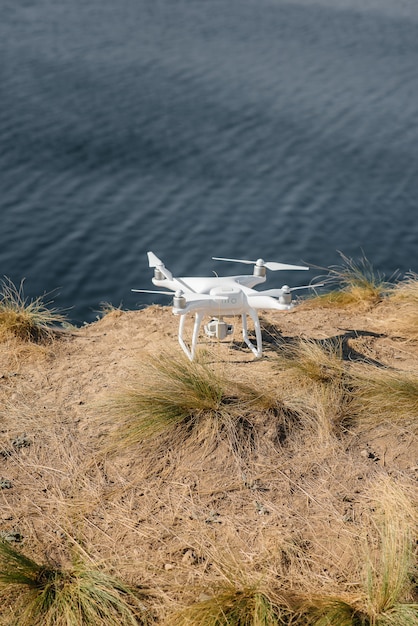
<point x="199" y="128"/>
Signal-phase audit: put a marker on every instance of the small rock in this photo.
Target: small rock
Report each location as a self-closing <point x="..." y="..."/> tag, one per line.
<point x="169" y="566"/>
<point x="189" y="558"/>
<point x="21" y="441"/>
<point x="212" y="518"/>
<point x="261" y="509"/>
<point x="5" y="483"/>
<point x="11" y="537"/>
<point x="203" y="597"/>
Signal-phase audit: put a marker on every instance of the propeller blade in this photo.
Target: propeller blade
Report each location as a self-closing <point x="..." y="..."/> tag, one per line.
<point x="273" y="266"/>
<point x="164" y="293"/>
<point x="217" y="258"/>
<point x="276" y="293"/>
<point x="154" y="261"/>
<point x="190" y="297"/>
<point x="270" y="265"/>
<point x="307" y="286"/>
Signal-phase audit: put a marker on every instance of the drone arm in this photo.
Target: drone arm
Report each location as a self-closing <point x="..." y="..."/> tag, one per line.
<point x="268" y="302"/>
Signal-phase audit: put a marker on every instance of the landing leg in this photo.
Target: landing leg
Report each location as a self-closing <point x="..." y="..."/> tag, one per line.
<point x="257" y="351"/>
<point x="190" y="352"/>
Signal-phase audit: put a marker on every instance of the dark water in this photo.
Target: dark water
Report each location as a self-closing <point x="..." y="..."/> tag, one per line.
<point x="199" y="128"/>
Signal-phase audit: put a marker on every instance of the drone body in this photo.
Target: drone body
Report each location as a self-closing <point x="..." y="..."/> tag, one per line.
<point x="219" y="297"/>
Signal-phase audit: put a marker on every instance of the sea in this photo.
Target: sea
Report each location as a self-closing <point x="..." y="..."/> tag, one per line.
<point x="286" y="130"/>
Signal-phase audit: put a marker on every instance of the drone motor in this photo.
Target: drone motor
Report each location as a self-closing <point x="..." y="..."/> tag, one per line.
<point x="259" y="268"/>
<point x="158" y="275"/>
<point x="286" y="296"/>
<point x="179" y="301"/>
<point x="218" y="328"/>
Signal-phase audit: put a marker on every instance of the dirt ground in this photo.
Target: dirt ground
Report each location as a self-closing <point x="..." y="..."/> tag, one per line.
<point x="195" y="516"/>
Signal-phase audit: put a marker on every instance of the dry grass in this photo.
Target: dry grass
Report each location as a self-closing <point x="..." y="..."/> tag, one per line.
<point x="29" y="320"/>
<point x="406" y="322"/>
<point x="173" y="399"/>
<point x="385" y="396"/>
<point x="235" y="606"/>
<point x="383" y="592"/>
<point x="391" y="556"/>
<point x="342" y="392"/>
<point x="376" y="589"/>
<point x="405" y="296"/>
<point x="352" y="283"/>
<point x="406" y="290"/>
<point x="238" y="586"/>
<point x="312" y="360"/>
<point x="305" y="530"/>
<point x="315" y="380"/>
<point x="80" y="595"/>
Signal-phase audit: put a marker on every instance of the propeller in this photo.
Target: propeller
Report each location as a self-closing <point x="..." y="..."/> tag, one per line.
<point x="276" y="293"/>
<point x="270" y="265"/>
<point x="163" y="293"/>
<point x="190" y="297"/>
<point x="154" y="261"/>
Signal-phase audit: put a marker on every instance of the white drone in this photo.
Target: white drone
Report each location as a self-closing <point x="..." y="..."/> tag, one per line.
<point x="223" y="296"/>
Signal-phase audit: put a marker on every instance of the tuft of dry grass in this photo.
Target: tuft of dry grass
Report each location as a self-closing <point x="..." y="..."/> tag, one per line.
<point x="312" y="360"/>
<point x="323" y="611"/>
<point x="185" y="400"/>
<point x="385" y="396"/>
<point x="48" y="595"/>
<point x="352" y="283"/>
<point x="365" y="395"/>
<point x="325" y="412"/>
<point x="376" y="590"/>
<point x="406" y="290"/>
<point x="405" y="296"/>
<point x="28" y="320"/>
<point x="109" y="309"/>
<point x="234" y="606"/>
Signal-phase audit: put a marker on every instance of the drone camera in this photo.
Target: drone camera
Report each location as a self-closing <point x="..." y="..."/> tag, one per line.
<point x="218" y="328"/>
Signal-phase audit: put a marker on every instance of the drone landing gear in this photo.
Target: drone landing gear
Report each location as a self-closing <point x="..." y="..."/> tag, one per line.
<point x="190" y="352"/>
<point x="257" y="351"/>
<point x="218" y="328"/>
